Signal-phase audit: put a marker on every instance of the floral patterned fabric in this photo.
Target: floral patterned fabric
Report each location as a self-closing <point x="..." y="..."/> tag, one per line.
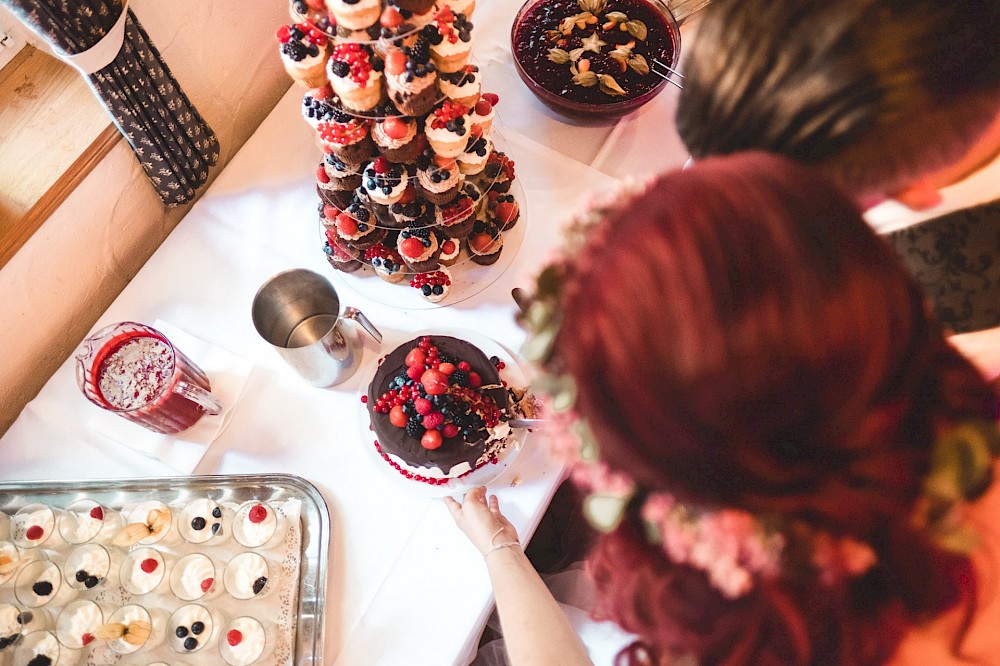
<point x="171" y="140"/>
<point x="956" y="258"/>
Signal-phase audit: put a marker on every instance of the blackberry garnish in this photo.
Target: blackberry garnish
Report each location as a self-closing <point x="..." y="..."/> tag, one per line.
<point x="339" y="68"/>
<point x="414" y="429"/>
<point x="460" y="378"/>
<point x="294" y="50"/>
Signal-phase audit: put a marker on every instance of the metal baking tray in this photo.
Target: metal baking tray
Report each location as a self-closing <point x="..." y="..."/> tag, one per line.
<point x="229" y="488"/>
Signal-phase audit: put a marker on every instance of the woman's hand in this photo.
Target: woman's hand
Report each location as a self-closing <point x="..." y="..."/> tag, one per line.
<point x="481" y="520"/>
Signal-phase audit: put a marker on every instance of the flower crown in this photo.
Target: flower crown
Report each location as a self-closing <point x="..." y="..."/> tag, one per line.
<point x="733" y="547"/>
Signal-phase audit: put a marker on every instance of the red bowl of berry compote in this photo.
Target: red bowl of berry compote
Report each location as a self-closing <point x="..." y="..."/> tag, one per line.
<point x="594" y="59"/>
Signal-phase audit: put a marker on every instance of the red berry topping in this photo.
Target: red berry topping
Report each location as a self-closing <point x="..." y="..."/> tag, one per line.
<point x="34" y="533"/>
<point x="206" y="584"/>
<point x="395" y="62"/>
<point x="492" y="98"/>
<point x="483" y="107"/>
<point x="321" y="175"/>
<point x="481" y="241"/>
<point x="423" y="406"/>
<point x="391" y="17"/>
<point x="448" y="111"/>
<point x="447" y="368"/>
<point x="87" y="639"/>
<point x="507" y="211"/>
<point x="414" y="372"/>
<point x="464" y="365"/>
<point x="97" y="513"/>
<point x="394" y="128"/>
<point x="284" y="33"/>
<point x="450" y="430"/>
<point x="475" y="379"/>
<point x="397" y="417"/>
<point x="330" y="212"/>
<point x="433" y="420"/>
<point x="234" y="637"/>
<point x="411" y="247"/>
<point x="448" y="247"/>
<point x="431" y="440"/>
<point x="257" y="513"/>
<point x="149" y="564"/>
<point x="318" y="5"/>
<point x="416" y="357"/>
<point x="435" y="382"/>
<point x="409" y="194"/>
<point x="346" y="224"/>
<point x="381" y="165"/>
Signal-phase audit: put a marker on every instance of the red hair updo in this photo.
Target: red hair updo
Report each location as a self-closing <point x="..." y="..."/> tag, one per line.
<point x="741" y="338"/>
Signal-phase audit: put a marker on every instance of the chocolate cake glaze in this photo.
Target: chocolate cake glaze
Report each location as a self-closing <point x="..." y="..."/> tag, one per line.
<point x="454" y="450"/>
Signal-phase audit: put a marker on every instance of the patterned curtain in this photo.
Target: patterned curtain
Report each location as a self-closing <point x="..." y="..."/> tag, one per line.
<point x="170" y="139"/>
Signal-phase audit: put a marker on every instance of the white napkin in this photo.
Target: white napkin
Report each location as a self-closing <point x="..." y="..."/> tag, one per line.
<point x="182" y="451"/>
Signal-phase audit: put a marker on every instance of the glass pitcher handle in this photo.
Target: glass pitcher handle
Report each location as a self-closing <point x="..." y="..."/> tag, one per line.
<point x="683" y="9"/>
<point x="358" y="316"/>
<point x="197" y="394"/>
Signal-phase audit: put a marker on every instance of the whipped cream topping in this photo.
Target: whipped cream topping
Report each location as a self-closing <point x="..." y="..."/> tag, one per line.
<point x="425" y="255"/>
<point x="48" y="646"/>
<point x="134" y="575"/>
<point x="443" y="135"/>
<point x="38" y="583"/>
<point x="246" y="576"/>
<point x="200" y="520"/>
<point x="475" y="159"/>
<point x="468" y="86"/>
<point x="79" y="618"/>
<point x="346" y="85"/>
<point x="399" y="83"/>
<point x="250" y="533"/>
<point x="307" y="62"/>
<point x="246" y="645"/>
<point x="192" y="577"/>
<point x="10" y="624"/>
<point x="373" y="186"/>
<point x="78" y="524"/>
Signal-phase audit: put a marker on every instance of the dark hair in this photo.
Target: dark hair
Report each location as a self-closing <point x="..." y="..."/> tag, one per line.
<point x="740" y="338"/>
<point x="873" y="92"/>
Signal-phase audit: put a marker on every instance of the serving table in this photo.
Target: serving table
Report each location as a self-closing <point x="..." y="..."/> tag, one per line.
<point x="404" y="585"/>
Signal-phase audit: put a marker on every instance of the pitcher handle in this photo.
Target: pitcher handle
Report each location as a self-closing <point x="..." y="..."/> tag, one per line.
<point x="197" y="394"/>
<point x="358" y="316"/>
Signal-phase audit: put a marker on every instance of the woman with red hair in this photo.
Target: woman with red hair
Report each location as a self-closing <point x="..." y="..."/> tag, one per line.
<point x="780" y="445"/>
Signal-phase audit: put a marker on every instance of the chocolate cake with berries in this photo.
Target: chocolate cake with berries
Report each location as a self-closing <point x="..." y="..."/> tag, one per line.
<point x="438" y="409"/>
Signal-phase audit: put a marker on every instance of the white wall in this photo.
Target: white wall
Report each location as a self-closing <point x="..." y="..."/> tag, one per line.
<point x="224" y="56"/>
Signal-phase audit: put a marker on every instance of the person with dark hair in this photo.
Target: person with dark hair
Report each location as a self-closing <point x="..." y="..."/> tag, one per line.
<point x="893" y="100"/>
<point x="791" y="464"/>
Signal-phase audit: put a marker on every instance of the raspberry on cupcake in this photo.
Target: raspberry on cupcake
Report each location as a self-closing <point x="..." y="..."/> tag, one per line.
<point x="419" y="248"/>
<point x="448" y="128"/>
<point x="387" y="263"/>
<point x="482" y="113"/>
<point x="485" y="243"/>
<point x="433" y="286"/>
<point x="410" y="77"/>
<point x="356" y="75"/>
<point x="439" y="177"/>
<point x="304" y="51"/>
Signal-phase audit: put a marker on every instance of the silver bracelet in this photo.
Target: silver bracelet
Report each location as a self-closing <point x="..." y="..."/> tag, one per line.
<point x="505" y="544"/>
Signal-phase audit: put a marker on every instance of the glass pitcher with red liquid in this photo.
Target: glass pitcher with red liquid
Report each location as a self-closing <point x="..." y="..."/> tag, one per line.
<point x="134" y="371"/>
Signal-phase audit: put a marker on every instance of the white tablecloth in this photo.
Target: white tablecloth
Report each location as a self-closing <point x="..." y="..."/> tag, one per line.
<point x="405" y="586"/>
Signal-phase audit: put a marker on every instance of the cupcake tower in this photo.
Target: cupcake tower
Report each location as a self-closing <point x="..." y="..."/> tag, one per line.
<point x="410" y="182"/>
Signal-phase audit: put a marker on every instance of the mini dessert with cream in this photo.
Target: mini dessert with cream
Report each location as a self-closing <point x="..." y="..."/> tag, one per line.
<point x="256" y="523"/>
<point x="418" y="248"/>
<point x="384" y="182"/>
<point x="356" y="76"/>
<point x="243" y="641"/>
<point x="193" y="577"/>
<point x="450" y="37"/>
<point x="304" y="51"/>
<point x="247" y="576"/>
<point x="142" y="570"/>
<point x="87" y="566"/>
<point x="438" y="409"/>
<point x="38" y="584"/>
<point x="32" y="526"/>
<point x="78" y="623"/>
<point x="201" y="520"/>
<point x="434" y="286"/>
<point x="189" y="628"/>
<point x="410" y="77"/>
<point x="462" y="87"/>
<point x="448" y="128"/>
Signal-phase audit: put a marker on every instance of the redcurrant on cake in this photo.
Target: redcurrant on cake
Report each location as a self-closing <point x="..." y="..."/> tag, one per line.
<point x="438" y="409"/>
